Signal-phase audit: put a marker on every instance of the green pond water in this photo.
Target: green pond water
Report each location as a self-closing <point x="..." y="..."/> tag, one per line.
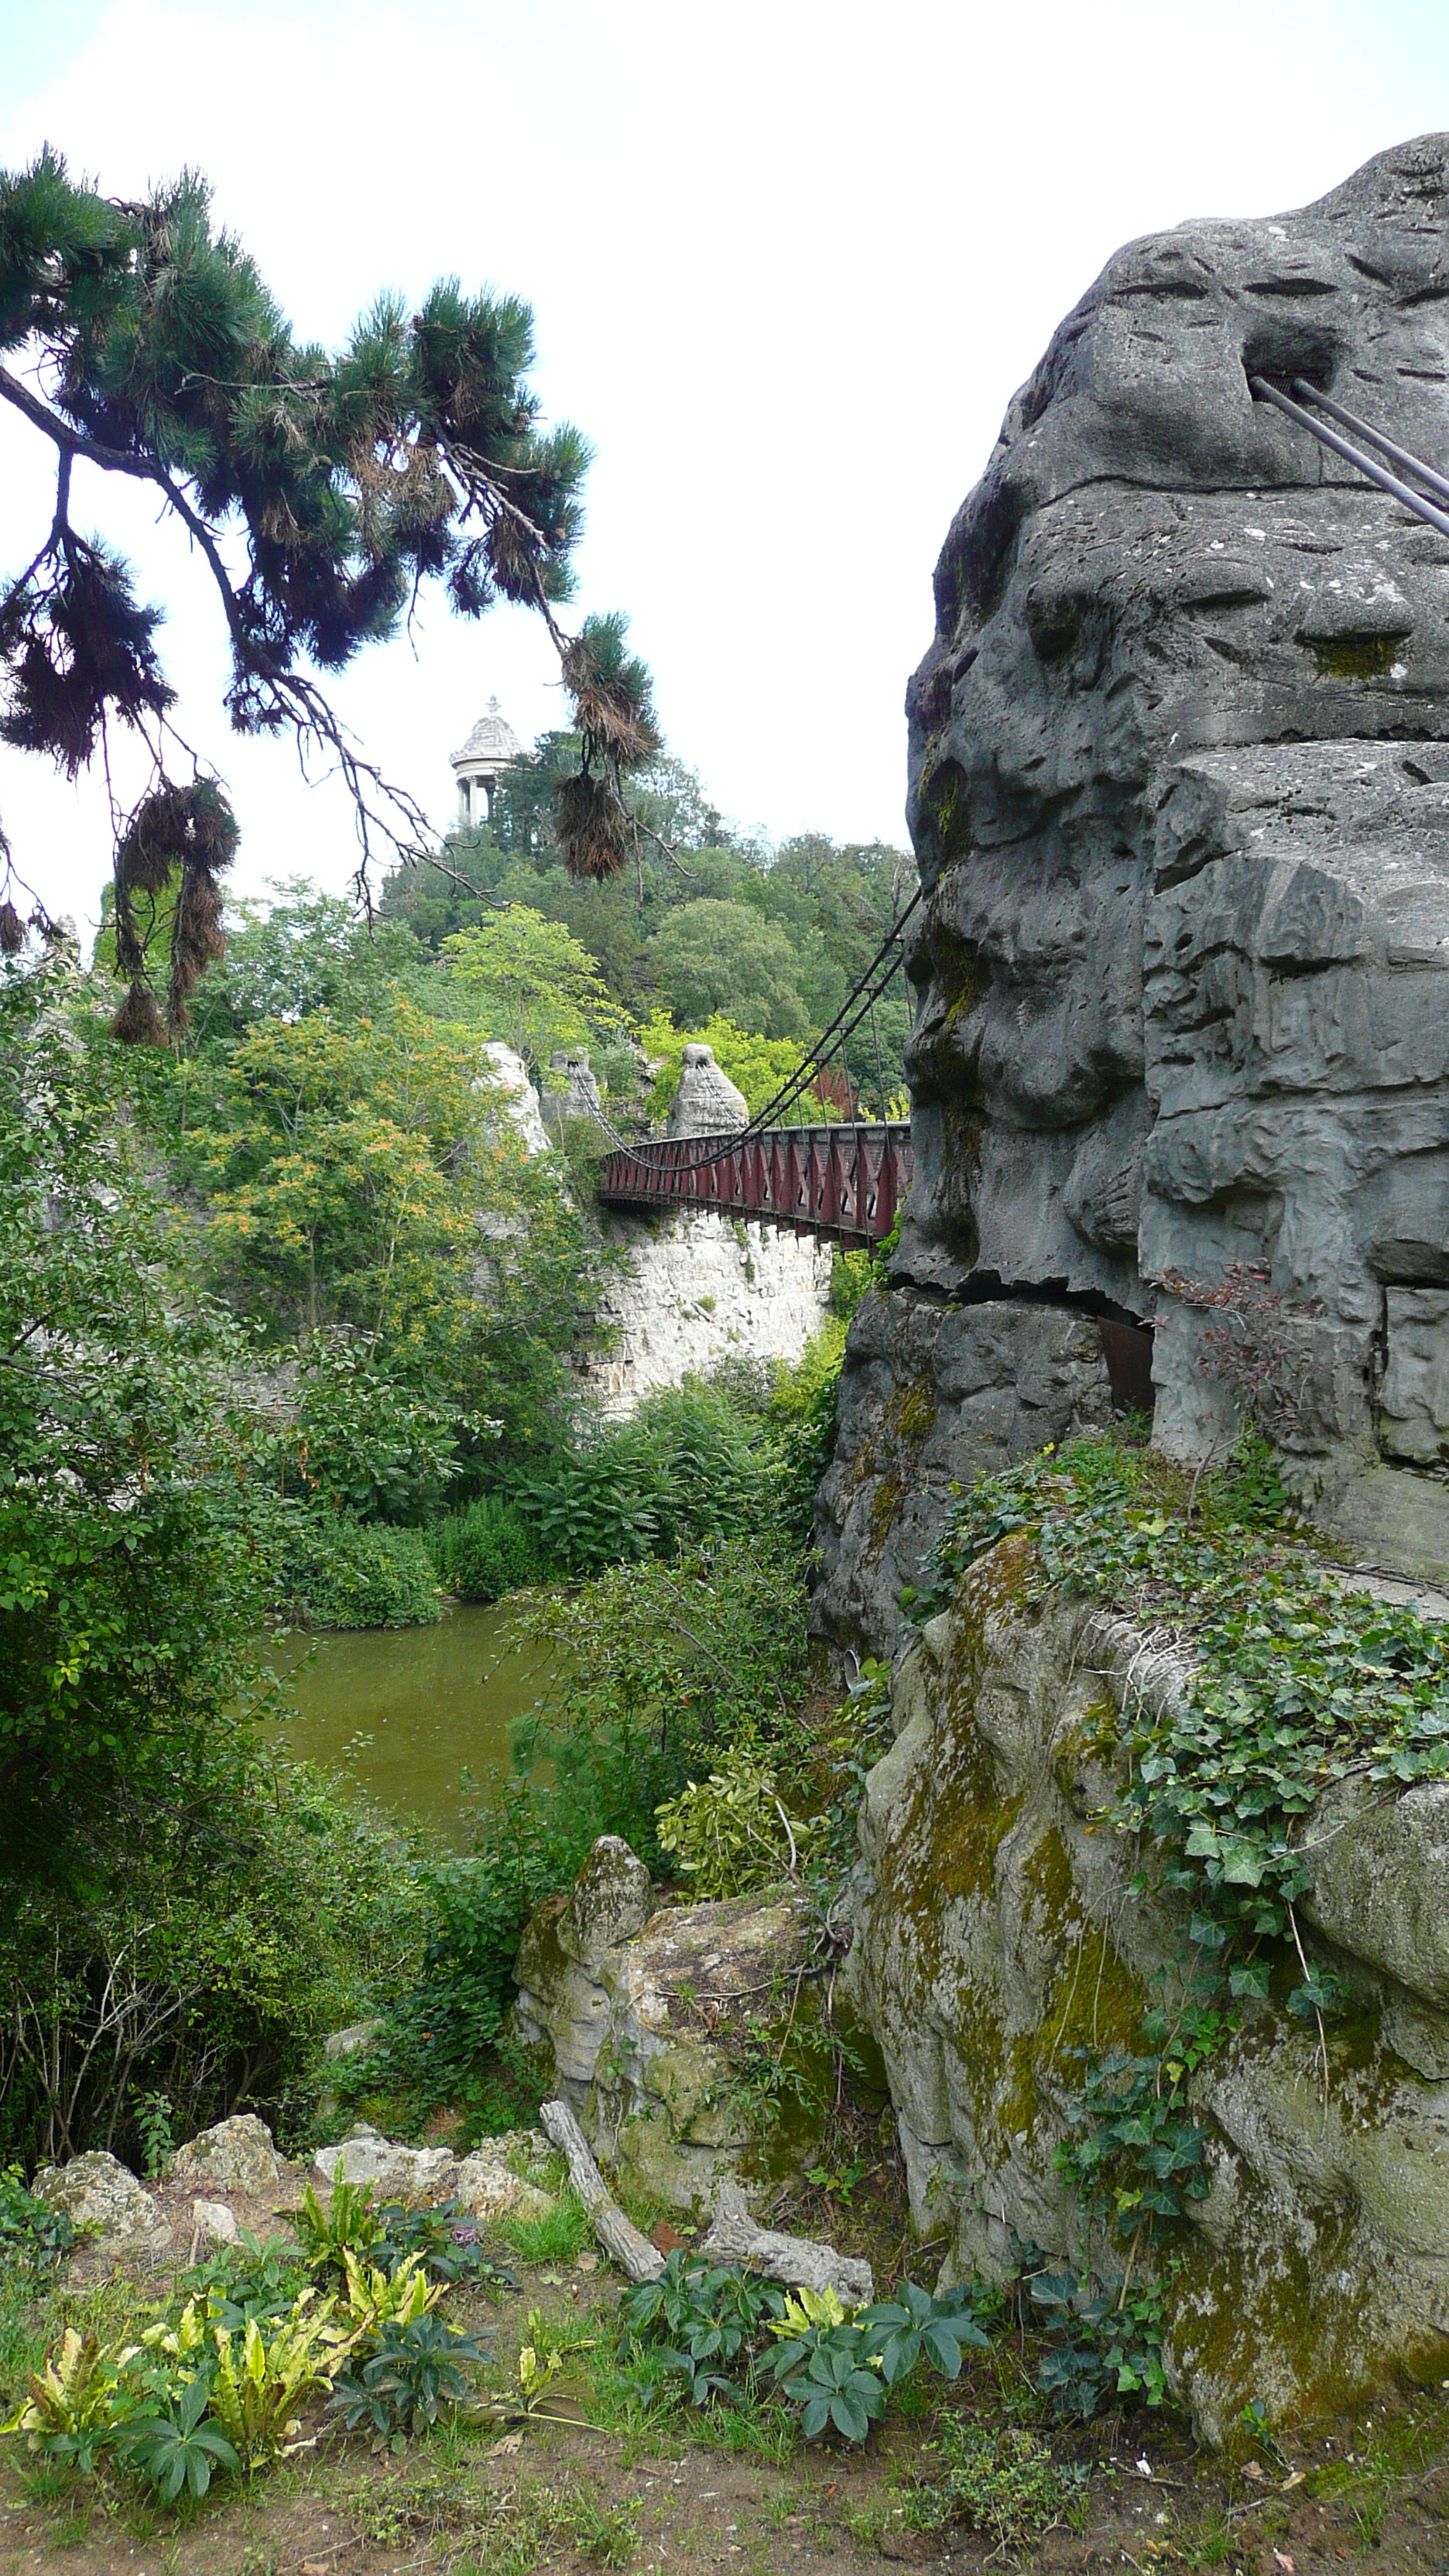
<point x="404" y="1710"/>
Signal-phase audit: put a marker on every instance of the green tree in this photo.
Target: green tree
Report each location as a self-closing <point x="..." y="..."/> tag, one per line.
<point x="531" y="983"/>
<point x="125" y="1592"/>
<point x="151" y="348"/>
<point x="721" y="957"/>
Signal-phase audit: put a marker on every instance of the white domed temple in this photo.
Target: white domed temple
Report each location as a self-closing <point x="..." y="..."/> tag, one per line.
<point x="489" y="748"/>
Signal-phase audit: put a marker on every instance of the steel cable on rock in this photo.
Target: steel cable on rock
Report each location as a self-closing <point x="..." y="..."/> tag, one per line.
<point x="1368" y="466"/>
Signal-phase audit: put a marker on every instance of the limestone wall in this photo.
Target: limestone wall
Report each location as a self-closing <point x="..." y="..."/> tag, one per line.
<point x="997" y="1932"/>
<point x="700" y="1288"/>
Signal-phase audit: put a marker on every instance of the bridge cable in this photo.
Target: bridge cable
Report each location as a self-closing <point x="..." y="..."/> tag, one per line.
<point x="872" y="984"/>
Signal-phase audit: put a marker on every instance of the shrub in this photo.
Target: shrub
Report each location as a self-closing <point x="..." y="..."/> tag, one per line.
<point x="727" y="2338"/>
<point x="732" y="1832"/>
<point x="485" y="1551"/>
<point x="689" y="1465"/>
<point x="341" y="1573"/>
<point x="243" y="1918"/>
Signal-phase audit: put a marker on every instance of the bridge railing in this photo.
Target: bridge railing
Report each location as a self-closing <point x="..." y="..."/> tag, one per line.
<point x="842" y="1182"/>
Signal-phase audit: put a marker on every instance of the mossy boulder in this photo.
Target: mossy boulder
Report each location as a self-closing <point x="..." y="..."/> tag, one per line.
<point x="1001" y="1930"/>
<point x="648" y="2033"/>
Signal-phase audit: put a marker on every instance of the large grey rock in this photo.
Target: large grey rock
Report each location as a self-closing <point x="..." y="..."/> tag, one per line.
<point x="411" y="2173"/>
<point x="707" y="1103"/>
<point x="999" y="1929"/>
<point x="1180" y="794"/>
<point x="484" y="2182"/>
<point x="101" y="2195"/>
<point x="237" y="2155"/>
<point x="931" y="1397"/>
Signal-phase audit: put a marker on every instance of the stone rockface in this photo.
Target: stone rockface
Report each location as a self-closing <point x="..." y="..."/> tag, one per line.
<point x="1180" y="796"/>
<point x="932" y="1397"/>
<point x="700" y="1288"/>
<point x="632" y="2012"/>
<point x="1001" y="1929"/>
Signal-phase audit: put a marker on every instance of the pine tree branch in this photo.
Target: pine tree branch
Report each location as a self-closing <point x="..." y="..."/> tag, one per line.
<point x="299" y="701"/>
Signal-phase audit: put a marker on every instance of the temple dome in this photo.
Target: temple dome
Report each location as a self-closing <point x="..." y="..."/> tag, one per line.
<point x="489" y="748"/>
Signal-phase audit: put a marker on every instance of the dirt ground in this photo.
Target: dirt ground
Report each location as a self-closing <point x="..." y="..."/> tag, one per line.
<point x="689" y="2494"/>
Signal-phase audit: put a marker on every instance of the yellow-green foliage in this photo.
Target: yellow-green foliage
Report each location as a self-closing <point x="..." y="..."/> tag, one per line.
<point x="733" y="1831"/>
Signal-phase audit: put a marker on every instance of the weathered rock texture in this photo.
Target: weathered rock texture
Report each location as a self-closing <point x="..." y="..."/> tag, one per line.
<point x="700" y="1288"/>
<point x="707" y="1103"/>
<point x="103" y="2197"/>
<point x="239" y="2154"/>
<point x="483" y="2183"/>
<point x="997" y="1932"/>
<point x="508" y="1075"/>
<point x="932" y="1397"/>
<point x="1180" y="792"/>
<point x="631" y="2012"/>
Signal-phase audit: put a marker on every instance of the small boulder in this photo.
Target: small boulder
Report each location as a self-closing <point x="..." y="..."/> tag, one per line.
<point x="102" y="2196"/>
<point x="215" y="2220"/>
<point x="237" y="2155"/>
<point x="411" y="2173"/>
<point x="350" y="2042"/>
<point x="611" y="1901"/>
<point x="488" y="2188"/>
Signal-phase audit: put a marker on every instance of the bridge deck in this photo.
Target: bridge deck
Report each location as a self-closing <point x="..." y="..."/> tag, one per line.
<point x="842" y="1182"/>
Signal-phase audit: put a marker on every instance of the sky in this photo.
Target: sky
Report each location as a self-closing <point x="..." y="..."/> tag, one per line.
<point x="788" y="262"/>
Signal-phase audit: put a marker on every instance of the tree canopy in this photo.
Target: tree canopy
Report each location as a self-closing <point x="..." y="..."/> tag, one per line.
<point x="321" y="490"/>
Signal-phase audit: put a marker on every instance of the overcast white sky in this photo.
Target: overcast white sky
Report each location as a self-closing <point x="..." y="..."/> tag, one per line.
<point x="788" y="262"/>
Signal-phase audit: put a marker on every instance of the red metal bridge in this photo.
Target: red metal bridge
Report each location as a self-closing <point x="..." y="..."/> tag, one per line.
<point x="844" y="1183"/>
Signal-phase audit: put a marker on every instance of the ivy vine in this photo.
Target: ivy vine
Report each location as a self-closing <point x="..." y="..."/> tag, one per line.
<point x="1298" y="1684"/>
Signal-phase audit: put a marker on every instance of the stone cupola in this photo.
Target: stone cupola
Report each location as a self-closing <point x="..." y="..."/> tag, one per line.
<point x="488" y="750"/>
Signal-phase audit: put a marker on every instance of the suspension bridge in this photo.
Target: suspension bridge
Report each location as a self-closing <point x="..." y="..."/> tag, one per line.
<point x="841" y="1179"/>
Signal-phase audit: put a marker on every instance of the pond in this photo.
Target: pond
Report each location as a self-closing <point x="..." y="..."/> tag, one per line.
<point x="405" y="1709"/>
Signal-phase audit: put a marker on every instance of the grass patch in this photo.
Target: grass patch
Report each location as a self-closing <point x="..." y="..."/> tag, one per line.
<point x="558" y="2236"/>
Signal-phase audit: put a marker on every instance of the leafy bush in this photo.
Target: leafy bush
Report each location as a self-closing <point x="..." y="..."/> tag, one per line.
<point x="348" y="2225"/>
<point x="832" y="2364"/>
<point x="835" y="2364"/>
<point x="732" y="1832"/>
<point x="1106" y="2342"/>
<point x="688" y="1465"/>
<point x="417" y="2370"/>
<point x="245" y="1915"/>
<point x="33" y="2236"/>
<point x="341" y="1573"/>
<point x="486" y="1551"/>
<point x="1002" y="2482"/>
<point x="701" y="2319"/>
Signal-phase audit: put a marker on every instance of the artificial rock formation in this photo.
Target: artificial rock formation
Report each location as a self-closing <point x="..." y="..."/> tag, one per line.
<point x="699" y="1288"/>
<point x="1001" y="1932"/>
<point x="1179" y="787"/>
<point x="707" y="1103"/>
<point x="931" y="1398"/>
<point x="518" y="1101"/>
<point x="632" y="2012"/>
